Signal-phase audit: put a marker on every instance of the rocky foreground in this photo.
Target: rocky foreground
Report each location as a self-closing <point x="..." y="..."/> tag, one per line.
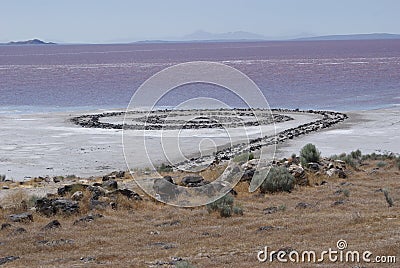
<point x="110" y="221"/>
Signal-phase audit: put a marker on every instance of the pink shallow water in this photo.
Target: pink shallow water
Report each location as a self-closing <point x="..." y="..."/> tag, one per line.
<point x="340" y="75"/>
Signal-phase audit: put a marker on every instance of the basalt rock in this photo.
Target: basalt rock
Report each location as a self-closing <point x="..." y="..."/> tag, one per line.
<point x="23" y="217"/>
<point x="51" y="207"/>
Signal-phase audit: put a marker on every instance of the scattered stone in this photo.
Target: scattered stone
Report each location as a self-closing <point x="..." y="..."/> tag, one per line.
<point x="5" y="187"/>
<point x="313" y="166"/>
<point x="168" y="223"/>
<point x="59" y="242"/>
<point x="68" y="188"/>
<point x="110" y="185"/>
<point x="8" y="259"/>
<point x="163" y="245"/>
<point x="342" y="174"/>
<point x="96" y="191"/>
<point x="51" y="207"/>
<point x="323" y="183"/>
<point x="54" y="224"/>
<point x="23" y="217"/>
<point x="128" y="193"/>
<point x="247" y="175"/>
<point x="87" y="259"/>
<point x="57" y="179"/>
<point x="165" y="189"/>
<point x="97" y="204"/>
<point x="303" y="205"/>
<point x="88" y="218"/>
<point x="18" y="231"/>
<point x="77" y="196"/>
<point x="270" y="210"/>
<point x="266" y="228"/>
<point x="169" y="179"/>
<point x="339" y="202"/>
<point x="5" y="226"/>
<point x="192" y="181"/>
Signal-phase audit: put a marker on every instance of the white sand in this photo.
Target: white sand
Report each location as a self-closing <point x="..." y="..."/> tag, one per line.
<point x="48" y="144"/>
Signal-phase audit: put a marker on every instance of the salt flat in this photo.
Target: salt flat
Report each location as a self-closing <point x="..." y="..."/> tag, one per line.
<point x="49" y="144"/>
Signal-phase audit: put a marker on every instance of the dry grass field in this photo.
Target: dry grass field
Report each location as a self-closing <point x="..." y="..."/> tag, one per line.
<point x="150" y="234"/>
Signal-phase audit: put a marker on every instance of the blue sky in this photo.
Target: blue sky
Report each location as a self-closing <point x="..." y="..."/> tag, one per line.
<point x="124" y="20"/>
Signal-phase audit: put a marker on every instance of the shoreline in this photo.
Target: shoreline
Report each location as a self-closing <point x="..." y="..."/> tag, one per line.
<point x="95" y="152"/>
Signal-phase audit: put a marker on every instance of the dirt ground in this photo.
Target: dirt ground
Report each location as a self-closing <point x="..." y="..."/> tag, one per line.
<point x="150" y="234"/>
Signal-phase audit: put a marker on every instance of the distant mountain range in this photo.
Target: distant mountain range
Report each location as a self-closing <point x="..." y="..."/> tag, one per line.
<point x="373" y="36"/>
<point x="202" y="36"/>
<point x="239" y="36"/>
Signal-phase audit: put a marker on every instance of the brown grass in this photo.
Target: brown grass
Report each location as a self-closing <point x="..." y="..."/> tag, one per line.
<point x="131" y="235"/>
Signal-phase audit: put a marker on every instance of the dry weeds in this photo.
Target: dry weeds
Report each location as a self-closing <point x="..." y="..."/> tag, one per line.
<point x="138" y="234"/>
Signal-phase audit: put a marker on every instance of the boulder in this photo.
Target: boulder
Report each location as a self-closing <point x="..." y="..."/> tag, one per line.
<point x="51" y="207"/>
<point x="165" y="189"/>
<point x="192" y="180"/>
<point x="52" y="225"/>
<point x="23" y="217"/>
<point x="18" y="231"/>
<point x="96" y="191"/>
<point x="270" y="210"/>
<point x="62" y="191"/>
<point x="248" y="175"/>
<point x="88" y="218"/>
<point x="303" y="205"/>
<point x="313" y="166"/>
<point x="169" y="179"/>
<point x="8" y="259"/>
<point x="5" y="226"/>
<point x="128" y="193"/>
<point x="110" y="185"/>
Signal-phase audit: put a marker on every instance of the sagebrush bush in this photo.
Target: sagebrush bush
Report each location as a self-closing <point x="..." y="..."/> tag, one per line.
<point x="381" y="164"/>
<point x="278" y="180"/>
<point x="164" y="168"/>
<point x="308" y="154"/>
<point x="398" y="162"/>
<point x="243" y="157"/>
<point x="225" y="206"/>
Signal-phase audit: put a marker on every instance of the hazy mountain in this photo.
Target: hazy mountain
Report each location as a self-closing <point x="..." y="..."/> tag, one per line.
<point x="373" y="36"/>
<point x="239" y="35"/>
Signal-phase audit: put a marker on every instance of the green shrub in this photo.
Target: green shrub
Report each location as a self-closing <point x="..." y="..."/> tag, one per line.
<point x="356" y="154"/>
<point x="278" y="179"/>
<point x="238" y="210"/>
<point x="225" y="206"/>
<point x="183" y="264"/>
<point x="381" y="164"/>
<point x="282" y="207"/>
<point x="164" y="168"/>
<point x="225" y="211"/>
<point x="308" y="154"/>
<point x="346" y="192"/>
<point x="244" y="157"/>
